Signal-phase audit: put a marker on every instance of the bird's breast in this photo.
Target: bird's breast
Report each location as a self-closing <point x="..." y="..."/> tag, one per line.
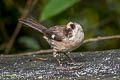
<point x="65" y="45"/>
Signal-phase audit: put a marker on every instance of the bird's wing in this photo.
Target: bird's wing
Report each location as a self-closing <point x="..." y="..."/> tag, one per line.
<point x="56" y="33"/>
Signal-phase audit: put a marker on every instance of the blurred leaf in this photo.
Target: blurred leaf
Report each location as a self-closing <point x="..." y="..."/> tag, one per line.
<point x="9" y="3"/>
<point x="54" y="7"/>
<point x="108" y="30"/>
<point x="114" y="5"/>
<point x="118" y="20"/>
<point x="29" y="43"/>
<point x="91" y="17"/>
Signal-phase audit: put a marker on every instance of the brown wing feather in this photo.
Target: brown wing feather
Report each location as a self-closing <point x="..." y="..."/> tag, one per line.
<point x="58" y="31"/>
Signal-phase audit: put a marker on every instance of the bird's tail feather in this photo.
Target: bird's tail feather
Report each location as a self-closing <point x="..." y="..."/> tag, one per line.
<point x="32" y="23"/>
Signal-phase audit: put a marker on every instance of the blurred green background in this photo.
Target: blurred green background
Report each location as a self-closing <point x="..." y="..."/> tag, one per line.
<point x="98" y="18"/>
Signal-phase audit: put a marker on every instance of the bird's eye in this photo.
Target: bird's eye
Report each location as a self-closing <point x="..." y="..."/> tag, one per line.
<point x="72" y="26"/>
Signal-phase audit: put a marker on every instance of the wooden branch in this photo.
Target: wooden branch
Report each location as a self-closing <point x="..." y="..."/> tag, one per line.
<point x="18" y="28"/>
<point x="85" y="41"/>
<point x="31" y="53"/>
<point x="101" y="38"/>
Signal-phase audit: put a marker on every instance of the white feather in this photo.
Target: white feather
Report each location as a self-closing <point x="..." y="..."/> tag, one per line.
<point x="53" y="36"/>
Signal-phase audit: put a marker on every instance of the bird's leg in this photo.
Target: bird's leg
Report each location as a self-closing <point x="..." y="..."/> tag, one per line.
<point x="73" y="61"/>
<point x="55" y="56"/>
<point x="69" y="57"/>
<point x="75" y="65"/>
<point x="59" y="63"/>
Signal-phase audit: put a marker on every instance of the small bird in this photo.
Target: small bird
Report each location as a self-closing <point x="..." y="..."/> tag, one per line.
<point x="62" y="38"/>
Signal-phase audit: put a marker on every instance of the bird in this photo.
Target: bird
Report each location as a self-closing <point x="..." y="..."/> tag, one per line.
<point x="61" y="38"/>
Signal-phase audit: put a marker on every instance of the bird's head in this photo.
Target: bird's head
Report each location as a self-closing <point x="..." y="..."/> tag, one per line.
<point x="75" y="29"/>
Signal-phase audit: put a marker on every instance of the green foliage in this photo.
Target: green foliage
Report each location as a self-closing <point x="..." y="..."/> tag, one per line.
<point x="97" y="17"/>
<point x="114" y="5"/>
<point x="90" y="18"/>
<point x="30" y="43"/>
<point x="55" y="7"/>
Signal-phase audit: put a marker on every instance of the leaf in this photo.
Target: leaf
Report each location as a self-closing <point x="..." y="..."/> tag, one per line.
<point x="29" y="43"/>
<point x="90" y="18"/>
<point x="55" y="7"/>
<point x="114" y="5"/>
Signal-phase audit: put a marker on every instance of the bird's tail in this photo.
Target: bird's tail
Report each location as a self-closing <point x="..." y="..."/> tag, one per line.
<point x="32" y="23"/>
